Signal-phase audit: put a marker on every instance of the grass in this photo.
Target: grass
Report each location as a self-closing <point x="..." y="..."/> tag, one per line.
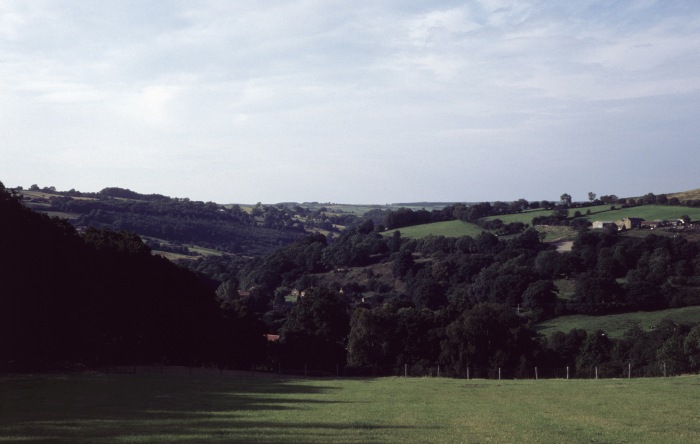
<point x="616" y="325"/>
<point x="457" y="228"/>
<point x="557" y="233"/>
<point x="169" y="408"/>
<point x="647" y="212"/>
<point x="566" y="288"/>
<point x="603" y="212"/>
<point x="524" y="217"/>
<point x="203" y="251"/>
<point x="686" y="195"/>
<point x="452" y="228"/>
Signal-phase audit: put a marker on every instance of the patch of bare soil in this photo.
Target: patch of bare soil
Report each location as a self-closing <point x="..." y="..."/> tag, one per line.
<point x="563" y="246"/>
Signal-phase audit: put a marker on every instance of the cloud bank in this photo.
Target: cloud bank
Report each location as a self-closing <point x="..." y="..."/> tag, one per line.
<point x="356" y="102"/>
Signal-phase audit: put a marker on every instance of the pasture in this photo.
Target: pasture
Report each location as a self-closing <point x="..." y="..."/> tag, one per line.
<point x="178" y="408"/>
<point x="452" y="228"/>
<point x="648" y="212"/>
<point x="616" y="325"/>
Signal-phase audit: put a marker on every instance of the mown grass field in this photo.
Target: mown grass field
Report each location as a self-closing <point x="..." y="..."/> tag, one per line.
<point x="457" y="228"/>
<point x="524" y="217"/>
<point x="452" y="228"/>
<point x="169" y="408"/>
<point x="647" y="212"/>
<point x="616" y="325"/>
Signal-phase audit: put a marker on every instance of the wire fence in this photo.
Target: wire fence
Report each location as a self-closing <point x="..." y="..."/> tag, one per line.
<point x="660" y="369"/>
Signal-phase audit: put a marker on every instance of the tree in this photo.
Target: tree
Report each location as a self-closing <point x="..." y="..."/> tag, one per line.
<point x="227" y="293"/>
<point x="371" y="342"/>
<point x="316" y="330"/>
<point x="565" y="198"/>
<point x="597" y="294"/>
<point x="691" y="347"/>
<point x="591" y="196"/>
<point x="487" y="337"/>
<point x="403" y="263"/>
<point x="426" y="292"/>
<point x="541" y="298"/>
<point x="395" y="241"/>
<point x="595" y="352"/>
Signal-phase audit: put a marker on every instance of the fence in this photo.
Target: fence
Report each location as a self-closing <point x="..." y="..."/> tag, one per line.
<point x="499" y="373"/>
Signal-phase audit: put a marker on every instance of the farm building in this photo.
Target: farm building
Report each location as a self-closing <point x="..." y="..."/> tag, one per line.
<point x="628" y="223"/>
<point x="604" y="224"/>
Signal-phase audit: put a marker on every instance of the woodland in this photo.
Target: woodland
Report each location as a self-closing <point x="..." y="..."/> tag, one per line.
<point x="91" y="293"/>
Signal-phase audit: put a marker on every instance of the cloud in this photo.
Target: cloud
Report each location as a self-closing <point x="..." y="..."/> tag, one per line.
<point x="360" y="101"/>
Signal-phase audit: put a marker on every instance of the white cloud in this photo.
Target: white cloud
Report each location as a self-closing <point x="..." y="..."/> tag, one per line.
<point x="360" y="101"/>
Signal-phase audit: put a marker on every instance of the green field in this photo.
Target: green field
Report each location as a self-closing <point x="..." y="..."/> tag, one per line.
<point x="524" y="217"/>
<point x="456" y="228"/>
<point x="603" y="212"/>
<point x="616" y="325"/>
<point x="179" y="408"/>
<point x="452" y="228"/>
<point x="647" y="212"/>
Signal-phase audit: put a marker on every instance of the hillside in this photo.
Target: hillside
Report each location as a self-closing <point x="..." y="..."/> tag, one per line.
<point x="370" y="303"/>
<point x="685" y="196"/>
<point x="94" y="298"/>
<point x="178" y="227"/>
<point x="647" y="212"/>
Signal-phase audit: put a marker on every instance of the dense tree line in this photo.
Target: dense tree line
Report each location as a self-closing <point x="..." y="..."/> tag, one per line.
<point x="448" y="289"/>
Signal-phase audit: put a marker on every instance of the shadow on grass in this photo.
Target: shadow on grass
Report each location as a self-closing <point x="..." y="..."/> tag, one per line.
<point x="128" y="408"/>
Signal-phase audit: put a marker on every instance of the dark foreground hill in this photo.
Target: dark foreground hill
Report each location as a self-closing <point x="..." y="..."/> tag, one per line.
<point x="96" y="298"/>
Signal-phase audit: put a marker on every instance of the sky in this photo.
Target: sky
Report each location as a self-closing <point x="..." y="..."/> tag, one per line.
<point x="352" y="102"/>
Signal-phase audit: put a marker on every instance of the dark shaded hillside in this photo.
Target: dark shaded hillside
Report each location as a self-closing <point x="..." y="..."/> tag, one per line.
<point x="95" y="299"/>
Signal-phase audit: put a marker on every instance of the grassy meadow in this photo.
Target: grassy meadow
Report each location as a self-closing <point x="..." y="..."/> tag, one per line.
<point x="646" y="212"/>
<point x="173" y="408"/>
<point x="452" y="228"/>
<point x="616" y="325"/>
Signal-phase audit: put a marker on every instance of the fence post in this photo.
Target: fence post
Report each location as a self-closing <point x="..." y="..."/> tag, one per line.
<point x="536" y="376"/>
<point x="664" y="369"/>
<point x="629" y="370"/>
<point x="596" y="372"/>
<point x="405" y="370"/>
<point x="499" y="373"/>
<point x="567" y="372"/>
